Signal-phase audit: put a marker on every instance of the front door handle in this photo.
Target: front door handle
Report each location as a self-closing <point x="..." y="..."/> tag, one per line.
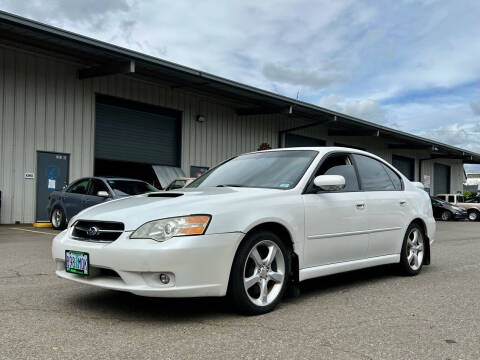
<point x="403" y="202"/>
<point x="361" y="206"/>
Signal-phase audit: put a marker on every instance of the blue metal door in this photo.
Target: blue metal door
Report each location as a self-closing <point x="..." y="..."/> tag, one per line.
<point x="52" y="174"/>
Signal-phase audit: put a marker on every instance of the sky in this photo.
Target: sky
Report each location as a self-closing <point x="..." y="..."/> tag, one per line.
<point x="413" y="65"/>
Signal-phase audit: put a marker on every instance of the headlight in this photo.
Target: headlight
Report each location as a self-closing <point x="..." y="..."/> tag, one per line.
<point x="164" y="229"/>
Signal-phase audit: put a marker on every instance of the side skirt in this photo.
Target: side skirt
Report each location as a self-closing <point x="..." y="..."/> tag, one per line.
<point x="324" y="270"/>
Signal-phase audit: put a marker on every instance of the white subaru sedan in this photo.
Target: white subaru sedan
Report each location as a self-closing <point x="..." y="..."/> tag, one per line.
<point x="252" y="227"/>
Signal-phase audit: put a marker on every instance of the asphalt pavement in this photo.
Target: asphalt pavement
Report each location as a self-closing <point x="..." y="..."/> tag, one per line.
<point x="367" y="314"/>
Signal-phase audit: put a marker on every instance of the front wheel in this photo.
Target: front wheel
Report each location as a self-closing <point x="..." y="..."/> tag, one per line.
<point x="58" y="219"/>
<point x="413" y="250"/>
<point x="259" y="273"/>
<point x="446" y="215"/>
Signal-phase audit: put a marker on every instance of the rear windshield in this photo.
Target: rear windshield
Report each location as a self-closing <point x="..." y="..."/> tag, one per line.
<point x="130" y="187"/>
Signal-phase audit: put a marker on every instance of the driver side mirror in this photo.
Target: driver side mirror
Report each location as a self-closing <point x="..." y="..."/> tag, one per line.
<point x="104" y="194"/>
<point x="330" y="182"/>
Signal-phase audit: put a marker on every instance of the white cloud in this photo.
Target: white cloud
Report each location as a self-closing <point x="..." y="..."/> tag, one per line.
<point x="310" y="78"/>
<point x="475" y="107"/>
<point x="361" y="108"/>
<point x="89" y="14"/>
<point x="458" y="135"/>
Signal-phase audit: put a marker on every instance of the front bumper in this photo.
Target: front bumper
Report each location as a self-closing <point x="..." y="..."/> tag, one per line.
<point x="197" y="265"/>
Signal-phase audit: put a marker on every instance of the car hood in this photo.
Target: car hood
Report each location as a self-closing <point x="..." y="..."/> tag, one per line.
<point x="137" y="210"/>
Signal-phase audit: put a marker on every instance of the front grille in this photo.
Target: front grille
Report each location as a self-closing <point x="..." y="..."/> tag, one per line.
<point x="98" y="231"/>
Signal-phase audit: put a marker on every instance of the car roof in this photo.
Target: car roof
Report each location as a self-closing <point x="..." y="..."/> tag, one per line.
<point x="320" y="149"/>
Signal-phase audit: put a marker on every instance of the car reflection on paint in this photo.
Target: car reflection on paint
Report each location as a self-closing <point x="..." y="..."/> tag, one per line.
<point x="86" y="192"/>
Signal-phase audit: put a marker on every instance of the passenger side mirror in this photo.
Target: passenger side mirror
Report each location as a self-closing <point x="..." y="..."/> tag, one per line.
<point x="330" y="182"/>
<point x="103" y="194"/>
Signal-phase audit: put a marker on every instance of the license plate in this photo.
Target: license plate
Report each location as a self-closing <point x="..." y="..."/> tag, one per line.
<point x="76" y="262"/>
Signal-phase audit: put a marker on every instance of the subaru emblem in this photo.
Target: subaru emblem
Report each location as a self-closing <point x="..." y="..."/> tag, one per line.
<point x="92" y="231"/>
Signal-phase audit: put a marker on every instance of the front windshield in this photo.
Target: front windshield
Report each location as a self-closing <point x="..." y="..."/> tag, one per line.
<point x="130" y="187"/>
<point x="273" y="169"/>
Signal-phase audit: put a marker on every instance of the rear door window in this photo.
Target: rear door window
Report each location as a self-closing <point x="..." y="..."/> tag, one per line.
<point x="373" y="176"/>
<point x="396" y="180"/>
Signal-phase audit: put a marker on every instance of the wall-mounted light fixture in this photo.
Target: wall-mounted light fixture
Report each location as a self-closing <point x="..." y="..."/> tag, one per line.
<point x="201" y="119"/>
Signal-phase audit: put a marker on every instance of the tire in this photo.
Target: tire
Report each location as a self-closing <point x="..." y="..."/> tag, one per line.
<point x="58" y="220"/>
<point x="446" y="215"/>
<point x="259" y="275"/>
<point x="413" y="250"/>
<point x="473" y="215"/>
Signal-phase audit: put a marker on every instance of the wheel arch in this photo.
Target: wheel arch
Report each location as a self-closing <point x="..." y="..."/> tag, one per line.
<point x="285" y="236"/>
<point x="423" y="226"/>
<point x="57" y="205"/>
<point x="473" y="210"/>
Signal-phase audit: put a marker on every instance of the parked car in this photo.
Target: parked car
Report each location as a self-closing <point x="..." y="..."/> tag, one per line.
<point x="252" y="226"/>
<point x="179" y="183"/>
<point x="446" y="211"/>
<point x="86" y="192"/>
<point x="473" y="209"/>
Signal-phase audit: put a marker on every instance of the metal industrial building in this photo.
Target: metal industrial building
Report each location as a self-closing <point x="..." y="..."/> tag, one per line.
<point x="71" y="106"/>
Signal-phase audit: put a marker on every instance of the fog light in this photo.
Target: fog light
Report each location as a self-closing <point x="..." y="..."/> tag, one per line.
<point x="164" y="278"/>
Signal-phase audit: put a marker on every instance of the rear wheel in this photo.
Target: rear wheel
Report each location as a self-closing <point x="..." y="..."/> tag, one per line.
<point x="446" y="215"/>
<point x="58" y="219"/>
<point x="473" y="215"/>
<point x="259" y="273"/>
<point x="413" y="250"/>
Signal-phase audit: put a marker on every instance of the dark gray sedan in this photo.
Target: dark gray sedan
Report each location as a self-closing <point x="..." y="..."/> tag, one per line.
<point x="86" y="192"/>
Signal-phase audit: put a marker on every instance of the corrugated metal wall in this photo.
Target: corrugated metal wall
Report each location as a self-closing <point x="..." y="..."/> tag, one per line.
<point x="43" y="107"/>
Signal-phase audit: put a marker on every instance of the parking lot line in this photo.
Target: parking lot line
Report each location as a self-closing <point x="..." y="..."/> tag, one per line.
<point x="33" y="231"/>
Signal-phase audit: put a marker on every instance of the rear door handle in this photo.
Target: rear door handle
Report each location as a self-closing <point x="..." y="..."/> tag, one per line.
<point x="361" y="206"/>
<point x="403" y="202"/>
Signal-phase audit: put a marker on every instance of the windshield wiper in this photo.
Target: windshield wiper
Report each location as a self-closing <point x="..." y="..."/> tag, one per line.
<point x="231" y="185"/>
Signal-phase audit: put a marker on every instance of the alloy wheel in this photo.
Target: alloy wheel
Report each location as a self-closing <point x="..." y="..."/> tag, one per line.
<point x="264" y="273"/>
<point x="56" y="218"/>
<point x="415" y="249"/>
<point x="473" y="216"/>
<point x="445" y="216"/>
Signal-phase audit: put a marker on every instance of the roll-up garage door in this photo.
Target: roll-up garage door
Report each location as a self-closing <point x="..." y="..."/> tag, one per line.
<point x="441" y="179"/>
<point x="292" y="140"/>
<point x="405" y="165"/>
<point x="128" y="131"/>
